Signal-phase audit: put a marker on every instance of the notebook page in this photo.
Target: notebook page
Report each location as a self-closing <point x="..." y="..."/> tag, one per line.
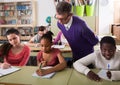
<point x="45" y="76"/>
<point x="58" y="46"/>
<point x="8" y="71"/>
<point x="102" y="74"/>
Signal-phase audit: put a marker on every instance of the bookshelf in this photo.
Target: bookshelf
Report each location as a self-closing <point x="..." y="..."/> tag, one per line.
<point x="19" y="15"/>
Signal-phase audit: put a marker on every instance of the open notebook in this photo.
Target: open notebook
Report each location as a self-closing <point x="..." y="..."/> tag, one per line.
<point x="102" y="74"/>
<point x="45" y="76"/>
<point x="115" y="75"/>
<point x="8" y="71"/>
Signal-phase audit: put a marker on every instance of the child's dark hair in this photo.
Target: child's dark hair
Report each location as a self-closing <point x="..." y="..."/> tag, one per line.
<point x="108" y="39"/>
<point x="63" y="7"/>
<point x="5" y="47"/>
<point x="12" y="31"/>
<point x="42" y="28"/>
<point x="48" y="36"/>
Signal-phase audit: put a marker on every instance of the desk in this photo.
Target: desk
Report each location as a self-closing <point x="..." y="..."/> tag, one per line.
<point x="66" y="55"/>
<point x="66" y="49"/>
<point x="63" y="50"/>
<point x="69" y="76"/>
<point x="24" y="76"/>
<point x="80" y="79"/>
<point x="66" y="52"/>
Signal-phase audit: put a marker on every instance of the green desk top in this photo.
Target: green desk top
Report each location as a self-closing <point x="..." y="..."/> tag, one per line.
<point x="80" y="79"/>
<point x="63" y="50"/>
<point x="66" y="55"/>
<point x="24" y="76"/>
<point x="69" y="76"/>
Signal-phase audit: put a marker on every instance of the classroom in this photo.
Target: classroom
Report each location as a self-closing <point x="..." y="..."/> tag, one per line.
<point x="21" y="21"/>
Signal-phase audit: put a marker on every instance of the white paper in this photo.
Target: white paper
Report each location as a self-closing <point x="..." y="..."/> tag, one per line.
<point x="8" y="71"/>
<point x="45" y="76"/>
<point x="58" y="46"/>
<point x="102" y="74"/>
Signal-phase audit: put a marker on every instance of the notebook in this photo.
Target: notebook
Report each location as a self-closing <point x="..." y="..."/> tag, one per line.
<point x="45" y="76"/>
<point x="8" y="71"/>
<point x="102" y="74"/>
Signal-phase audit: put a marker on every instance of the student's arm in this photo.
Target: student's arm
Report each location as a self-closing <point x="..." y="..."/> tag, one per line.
<point x="26" y="57"/>
<point x="31" y="42"/>
<point x="40" y="60"/>
<point x="62" y="64"/>
<point x="81" y="64"/>
<point x="57" y="38"/>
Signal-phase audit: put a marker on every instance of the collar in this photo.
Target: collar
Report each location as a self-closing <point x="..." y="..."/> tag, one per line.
<point x="67" y="26"/>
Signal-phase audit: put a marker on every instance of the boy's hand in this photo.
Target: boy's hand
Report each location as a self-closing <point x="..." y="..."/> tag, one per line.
<point x="93" y="76"/>
<point x="109" y="75"/>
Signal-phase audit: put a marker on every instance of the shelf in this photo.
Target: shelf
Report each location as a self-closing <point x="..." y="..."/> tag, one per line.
<point x="19" y="15"/>
<point x="22" y="38"/>
<point x="25" y="25"/>
<point x="8" y="25"/>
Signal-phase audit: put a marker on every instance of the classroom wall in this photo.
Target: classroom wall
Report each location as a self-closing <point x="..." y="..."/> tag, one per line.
<point x="106" y="15"/>
<point x="46" y="8"/>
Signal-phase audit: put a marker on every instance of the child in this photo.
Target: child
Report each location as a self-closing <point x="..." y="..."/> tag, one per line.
<point x="107" y="55"/>
<point x="13" y="52"/>
<point x="60" y="39"/>
<point x="34" y="41"/>
<point x="49" y="56"/>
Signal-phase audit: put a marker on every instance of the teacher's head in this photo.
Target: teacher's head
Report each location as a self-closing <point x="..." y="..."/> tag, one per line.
<point x="63" y="12"/>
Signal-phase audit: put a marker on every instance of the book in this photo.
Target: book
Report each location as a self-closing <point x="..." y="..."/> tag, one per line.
<point x="45" y="76"/>
<point x="8" y="71"/>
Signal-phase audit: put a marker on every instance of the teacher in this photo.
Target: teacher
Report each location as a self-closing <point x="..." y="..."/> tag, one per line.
<point x="79" y="36"/>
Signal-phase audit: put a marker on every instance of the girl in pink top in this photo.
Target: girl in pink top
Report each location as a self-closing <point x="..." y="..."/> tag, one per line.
<point x="14" y="52"/>
<point x="49" y="56"/>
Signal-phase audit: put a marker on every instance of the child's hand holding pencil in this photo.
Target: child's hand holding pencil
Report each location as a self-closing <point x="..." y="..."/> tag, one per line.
<point x="44" y="63"/>
<point x="109" y="75"/>
<point x="42" y="72"/>
<point x="40" y="67"/>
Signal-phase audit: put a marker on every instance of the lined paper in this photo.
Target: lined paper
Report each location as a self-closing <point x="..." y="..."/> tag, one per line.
<point x="8" y="71"/>
<point x="45" y="76"/>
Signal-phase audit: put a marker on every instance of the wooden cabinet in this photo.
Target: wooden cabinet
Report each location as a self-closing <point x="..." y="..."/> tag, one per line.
<point x="19" y="15"/>
<point x="116" y="11"/>
<point x="116" y="31"/>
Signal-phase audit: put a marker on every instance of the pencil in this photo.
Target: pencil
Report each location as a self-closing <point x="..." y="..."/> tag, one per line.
<point x="40" y="66"/>
<point x="108" y="67"/>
